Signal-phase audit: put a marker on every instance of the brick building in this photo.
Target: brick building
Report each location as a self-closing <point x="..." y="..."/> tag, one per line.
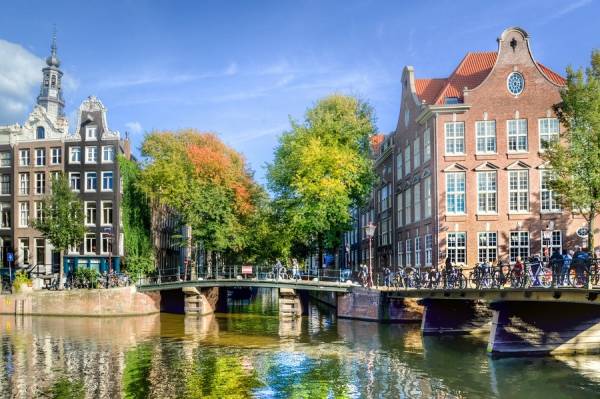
<point x="33" y="153"/>
<point x="468" y="180"/>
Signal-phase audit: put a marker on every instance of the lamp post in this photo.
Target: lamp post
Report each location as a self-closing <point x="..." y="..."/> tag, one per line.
<point x="370" y="231"/>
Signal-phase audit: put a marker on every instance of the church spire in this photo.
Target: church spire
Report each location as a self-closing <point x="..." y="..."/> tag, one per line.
<point x="51" y="90"/>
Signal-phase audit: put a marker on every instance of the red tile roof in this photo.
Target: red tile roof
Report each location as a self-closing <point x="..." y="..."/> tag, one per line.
<point x="471" y="71"/>
<point x="376" y="141"/>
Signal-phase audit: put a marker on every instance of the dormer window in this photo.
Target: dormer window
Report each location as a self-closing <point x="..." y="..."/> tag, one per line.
<point x="451" y="100"/>
<point x="40" y="133"/>
<point x="91" y="133"/>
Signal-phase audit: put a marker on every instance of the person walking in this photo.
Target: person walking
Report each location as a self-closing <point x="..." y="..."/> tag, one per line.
<point x="295" y="271"/>
<point x="566" y="265"/>
<point x="387" y="273"/>
<point x="556" y="263"/>
<point x="447" y="271"/>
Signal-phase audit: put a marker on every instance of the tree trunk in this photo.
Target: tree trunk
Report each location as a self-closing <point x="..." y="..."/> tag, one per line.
<point x="61" y="271"/>
<point x="320" y="265"/>
<point x="591" y="233"/>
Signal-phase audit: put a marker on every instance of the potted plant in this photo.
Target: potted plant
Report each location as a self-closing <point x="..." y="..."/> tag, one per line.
<point x="22" y="283"/>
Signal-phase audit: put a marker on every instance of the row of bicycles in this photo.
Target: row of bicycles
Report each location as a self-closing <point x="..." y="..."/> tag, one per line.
<point x="485" y="276"/>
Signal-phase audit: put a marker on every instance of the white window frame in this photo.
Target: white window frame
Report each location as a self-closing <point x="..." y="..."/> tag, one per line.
<point x="72" y="152"/>
<point x="487" y="246"/>
<point x="426" y="145"/>
<point x="456" y="247"/>
<point x="399" y="166"/>
<point x="407" y="168"/>
<point x="104" y="174"/>
<point x="23" y="214"/>
<point x="87" y="250"/>
<point x="37" y="190"/>
<point x="418" y="251"/>
<point x="400" y="253"/>
<point x="428" y="250"/>
<point x="487" y="190"/>
<point x="454" y="143"/>
<point x="88" y="132"/>
<point x="105" y="237"/>
<point x="104" y="152"/>
<point x="71" y="175"/>
<point x="417" y="201"/>
<point x="89" y="174"/>
<point x="38" y="152"/>
<point x="546" y="132"/>
<point x="408" y="206"/>
<point x="552" y="243"/>
<point x="519" y="249"/>
<point x="427" y="199"/>
<point x="55" y="156"/>
<point x="24" y="184"/>
<point x="553" y="205"/>
<point x="519" y="193"/>
<point x="417" y="152"/>
<point x="4" y="184"/>
<point x="103" y="207"/>
<point x="400" y="209"/>
<point x="87" y="208"/>
<point x="517" y="132"/>
<point x="485" y="136"/>
<point x="24" y="157"/>
<point x="91" y="150"/>
<point x="456" y="194"/>
<point x="5" y="156"/>
<point x="5" y="210"/>
<point x="408" y="251"/>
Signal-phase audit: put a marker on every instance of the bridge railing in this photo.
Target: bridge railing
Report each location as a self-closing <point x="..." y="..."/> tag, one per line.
<point x="237" y="272"/>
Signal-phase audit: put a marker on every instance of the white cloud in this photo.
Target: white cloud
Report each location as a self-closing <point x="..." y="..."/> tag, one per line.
<point x="20" y="76"/>
<point x="134" y="127"/>
<point x="232" y="69"/>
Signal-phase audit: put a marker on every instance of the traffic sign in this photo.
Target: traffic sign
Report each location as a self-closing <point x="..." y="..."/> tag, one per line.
<point x="10" y="256"/>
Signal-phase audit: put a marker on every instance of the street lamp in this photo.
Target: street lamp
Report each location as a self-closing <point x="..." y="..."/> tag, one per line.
<point x="370" y="231"/>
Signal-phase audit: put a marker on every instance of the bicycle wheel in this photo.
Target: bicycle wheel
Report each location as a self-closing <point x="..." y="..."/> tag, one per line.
<point x="545" y="277"/>
<point x="577" y="280"/>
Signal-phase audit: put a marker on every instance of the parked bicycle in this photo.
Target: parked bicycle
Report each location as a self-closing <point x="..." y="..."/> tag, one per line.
<point x="455" y="279"/>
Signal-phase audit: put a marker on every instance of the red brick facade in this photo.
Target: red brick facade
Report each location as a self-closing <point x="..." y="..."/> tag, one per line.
<point x="454" y="196"/>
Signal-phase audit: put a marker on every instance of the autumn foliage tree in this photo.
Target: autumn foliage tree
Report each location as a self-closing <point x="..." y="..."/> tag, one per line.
<point x="206" y="182"/>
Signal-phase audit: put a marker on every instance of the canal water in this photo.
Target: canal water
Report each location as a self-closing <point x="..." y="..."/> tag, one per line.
<point x="249" y="353"/>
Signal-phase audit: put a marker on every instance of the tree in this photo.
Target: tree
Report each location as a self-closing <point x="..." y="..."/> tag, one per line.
<point x="62" y="221"/>
<point x="575" y="158"/>
<point x="322" y="169"/>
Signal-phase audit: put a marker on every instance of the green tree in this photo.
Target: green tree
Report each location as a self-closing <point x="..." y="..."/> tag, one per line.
<point x="322" y="168"/>
<point x="136" y="219"/>
<point x="62" y="221"/>
<point x="575" y="158"/>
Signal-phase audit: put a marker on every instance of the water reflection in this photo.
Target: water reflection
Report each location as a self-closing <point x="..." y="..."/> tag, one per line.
<point x="251" y="353"/>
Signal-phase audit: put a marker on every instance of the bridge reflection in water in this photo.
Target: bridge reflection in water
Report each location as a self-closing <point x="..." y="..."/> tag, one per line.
<point x="255" y="354"/>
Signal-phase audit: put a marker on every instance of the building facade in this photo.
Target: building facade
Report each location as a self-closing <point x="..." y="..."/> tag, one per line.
<point x="468" y="179"/>
<point x="32" y="154"/>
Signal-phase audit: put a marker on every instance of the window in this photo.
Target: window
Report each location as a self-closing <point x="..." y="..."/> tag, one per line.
<point x="487" y="246"/>
<point x="23" y="183"/>
<point x="5" y="159"/>
<point x="408" y="252"/>
<point x="457" y="249"/>
<point x="23" y="214"/>
<point x="91" y="133"/>
<point x="75" y="181"/>
<point x="90" y="213"/>
<point x="551" y="240"/>
<point x="40" y="133"/>
<point x="400" y="253"/>
<point x="107" y="183"/>
<point x="519" y="245"/>
<point x="549" y="130"/>
<point x="517" y="135"/>
<point x="75" y="155"/>
<point x="427" y="146"/>
<point x="24" y="158"/>
<point x="427" y="197"/>
<point x="400" y="210"/>
<point x="384" y="195"/>
<point x="486" y="136"/>
<point x="108" y="153"/>
<point x="384" y="231"/>
<point x="40" y="157"/>
<point x="407" y="161"/>
<point x="40" y="183"/>
<point x="106" y="243"/>
<point x="417" y="152"/>
<point x="25" y="248"/>
<point x="107" y="213"/>
<point x="428" y="250"/>
<point x="455" y="192"/>
<point x="418" y="251"/>
<point x="91" y="154"/>
<point x="56" y="156"/>
<point x="90" y="243"/>
<point x="549" y="197"/>
<point x="486" y="192"/>
<point x="5" y="213"/>
<point x="4" y="184"/>
<point x="455" y="137"/>
<point x="91" y="181"/>
<point x="417" y="201"/>
<point x="38" y="210"/>
<point x="518" y="190"/>
<point x="408" y="206"/>
<point x="399" y="165"/>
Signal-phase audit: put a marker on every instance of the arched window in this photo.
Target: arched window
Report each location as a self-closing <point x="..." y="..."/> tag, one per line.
<point x="41" y="133"/>
<point x="53" y="82"/>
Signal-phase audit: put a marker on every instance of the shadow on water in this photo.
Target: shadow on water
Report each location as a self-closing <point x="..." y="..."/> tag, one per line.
<point x="248" y="352"/>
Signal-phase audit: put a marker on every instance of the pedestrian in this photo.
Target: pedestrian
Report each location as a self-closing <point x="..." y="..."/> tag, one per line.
<point x="518" y="267"/>
<point x="447" y="271"/>
<point x="580" y="262"/>
<point x="295" y="271"/>
<point x="387" y="273"/>
<point x="556" y="263"/>
<point x="567" y="259"/>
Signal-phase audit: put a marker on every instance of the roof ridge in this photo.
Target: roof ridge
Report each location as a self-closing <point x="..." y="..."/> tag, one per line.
<point x="460" y="64"/>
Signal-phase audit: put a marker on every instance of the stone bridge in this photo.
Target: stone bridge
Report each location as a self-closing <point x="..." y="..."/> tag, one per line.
<point x="518" y="321"/>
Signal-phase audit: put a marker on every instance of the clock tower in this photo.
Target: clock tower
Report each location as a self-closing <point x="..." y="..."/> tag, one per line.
<point x="51" y="90"/>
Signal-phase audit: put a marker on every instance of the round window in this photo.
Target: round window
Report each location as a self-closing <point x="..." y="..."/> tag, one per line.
<point x="515" y="83"/>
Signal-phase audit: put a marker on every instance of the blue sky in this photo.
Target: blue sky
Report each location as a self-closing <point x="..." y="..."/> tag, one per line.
<point x="242" y="68"/>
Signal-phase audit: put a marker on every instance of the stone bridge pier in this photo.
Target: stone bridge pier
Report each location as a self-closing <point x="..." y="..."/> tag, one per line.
<point x="543" y="328"/>
<point x="455" y="316"/>
<point x="190" y="300"/>
<point x="290" y="304"/>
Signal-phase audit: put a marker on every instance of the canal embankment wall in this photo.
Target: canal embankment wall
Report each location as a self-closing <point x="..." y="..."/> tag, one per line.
<point x="126" y="301"/>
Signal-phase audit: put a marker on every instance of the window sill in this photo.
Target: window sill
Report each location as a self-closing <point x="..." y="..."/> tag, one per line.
<point x="484" y="156"/>
<point x="517" y="155"/>
<point x="487" y="216"/>
<point x="519" y="216"/>
<point x="455" y="157"/>
<point x="456" y="218"/>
